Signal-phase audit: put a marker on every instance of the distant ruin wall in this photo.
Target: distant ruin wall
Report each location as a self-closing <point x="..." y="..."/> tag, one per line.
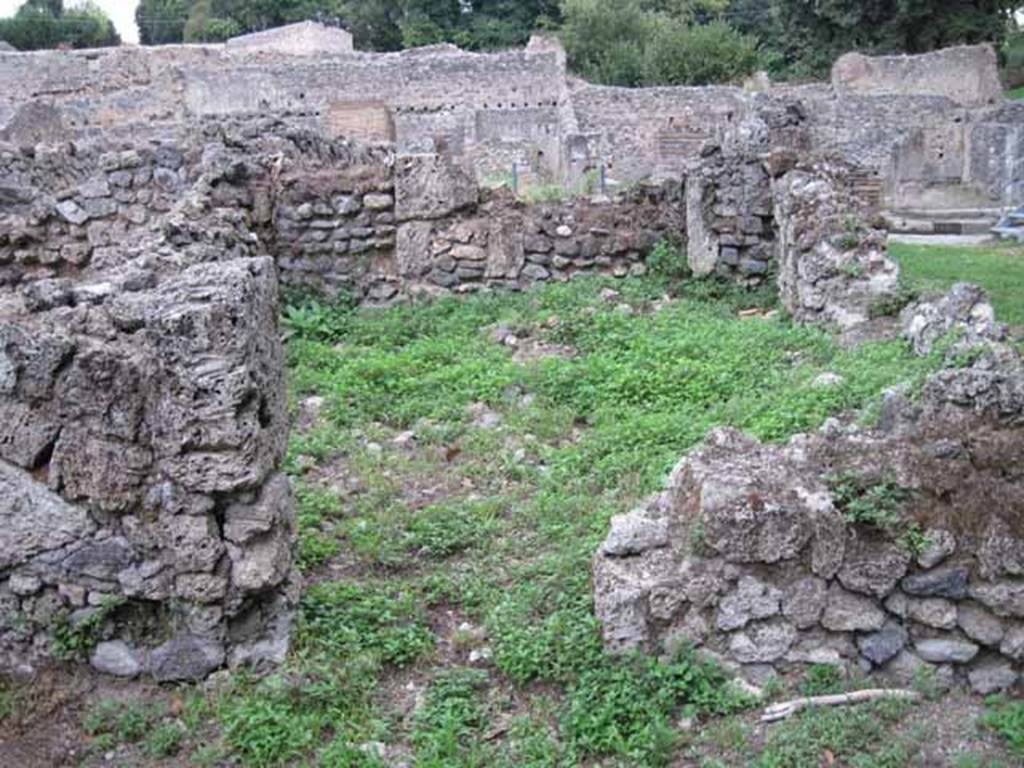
<point x="930" y="140"/>
<point x="306" y="38"/>
<point x="967" y="75"/>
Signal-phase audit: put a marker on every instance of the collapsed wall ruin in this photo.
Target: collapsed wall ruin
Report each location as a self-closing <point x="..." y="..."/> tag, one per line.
<point x="154" y="201"/>
<point x="752" y="554"/>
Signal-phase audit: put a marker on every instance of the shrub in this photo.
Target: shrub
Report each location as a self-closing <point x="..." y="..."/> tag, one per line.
<point x="681" y="54"/>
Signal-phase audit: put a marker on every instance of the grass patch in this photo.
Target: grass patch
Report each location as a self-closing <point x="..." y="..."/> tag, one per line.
<point x="998" y="269"/>
<point x="1006" y="718"/>
<point x="860" y="737"/>
<point x="1016" y="93"/>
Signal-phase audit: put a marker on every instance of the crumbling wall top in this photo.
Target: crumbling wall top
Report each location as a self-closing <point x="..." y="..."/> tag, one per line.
<point x="306" y="38"/>
<point x="967" y="74"/>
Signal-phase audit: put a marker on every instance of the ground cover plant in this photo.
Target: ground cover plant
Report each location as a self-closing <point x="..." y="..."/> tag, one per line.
<point x="453" y="486"/>
<point x="456" y="464"/>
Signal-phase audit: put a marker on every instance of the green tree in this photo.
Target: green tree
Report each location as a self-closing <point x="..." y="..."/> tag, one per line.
<point x="205" y="26"/>
<point x="425" y="22"/>
<point x="492" y="24"/>
<point x="41" y="24"/>
<point x="809" y="36"/>
<point x="699" y="53"/>
<point x="161" y="21"/>
<point x="642" y="42"/>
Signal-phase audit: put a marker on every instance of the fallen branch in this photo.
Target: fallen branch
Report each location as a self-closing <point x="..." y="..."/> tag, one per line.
<point x="785" y="709"/>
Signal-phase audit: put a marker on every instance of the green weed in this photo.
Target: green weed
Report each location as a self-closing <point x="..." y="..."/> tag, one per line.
<point x="821" y="679"/>
<point x="668" y="260"/>
<point x="1006" y="718"/>
<point x="337" y="620"/>
<point x="75" y="638"/>
<point x="121" y="722"/>
<point x="625" y="708"/>
<point x="866" y="501"/>
<point x="449" y="724"/>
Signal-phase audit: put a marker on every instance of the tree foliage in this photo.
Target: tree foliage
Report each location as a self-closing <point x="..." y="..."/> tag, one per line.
<point x="807" y="37"/>
<point x="621" y="42"/>
<point x="161" y="21"/>
<point x="48" y="24"/>
<point x="376" y="25"/>
<point x="659" y="42"/>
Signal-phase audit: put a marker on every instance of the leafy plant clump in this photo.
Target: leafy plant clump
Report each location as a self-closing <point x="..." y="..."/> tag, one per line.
<point x="111" y="723"/>
<point x="626" y="709"/>
<point x="74" y="637"/>
<point x="865" y="501"/>
<point x="668" y="259"/>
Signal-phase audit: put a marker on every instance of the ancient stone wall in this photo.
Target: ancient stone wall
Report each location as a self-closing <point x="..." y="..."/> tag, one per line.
<point x="832" y="261"/>
<point x="502" y="243"/>
<point x="144" y="420"/>
<point x="755" y="553"/>
<point x="929" y="141"/>
<point x="730" y="217"/>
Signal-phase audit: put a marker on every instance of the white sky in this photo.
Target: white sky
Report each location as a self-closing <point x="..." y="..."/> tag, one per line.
<point x="122" y="12"/>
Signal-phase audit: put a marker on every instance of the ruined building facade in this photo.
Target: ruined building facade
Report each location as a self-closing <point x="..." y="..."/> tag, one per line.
<point x="153" y="201"/>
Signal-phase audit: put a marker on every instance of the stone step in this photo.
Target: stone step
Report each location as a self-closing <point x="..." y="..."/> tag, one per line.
<point x="941" y="222"/>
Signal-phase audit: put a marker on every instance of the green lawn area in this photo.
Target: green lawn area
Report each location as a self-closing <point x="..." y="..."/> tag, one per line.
<point x="1016" y="93"/>
<point x="999" y="269"/>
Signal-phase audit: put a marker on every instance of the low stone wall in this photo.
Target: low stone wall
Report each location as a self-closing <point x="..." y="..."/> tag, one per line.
<point x="754" y="554"/>
<point x="501" y="242"/>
